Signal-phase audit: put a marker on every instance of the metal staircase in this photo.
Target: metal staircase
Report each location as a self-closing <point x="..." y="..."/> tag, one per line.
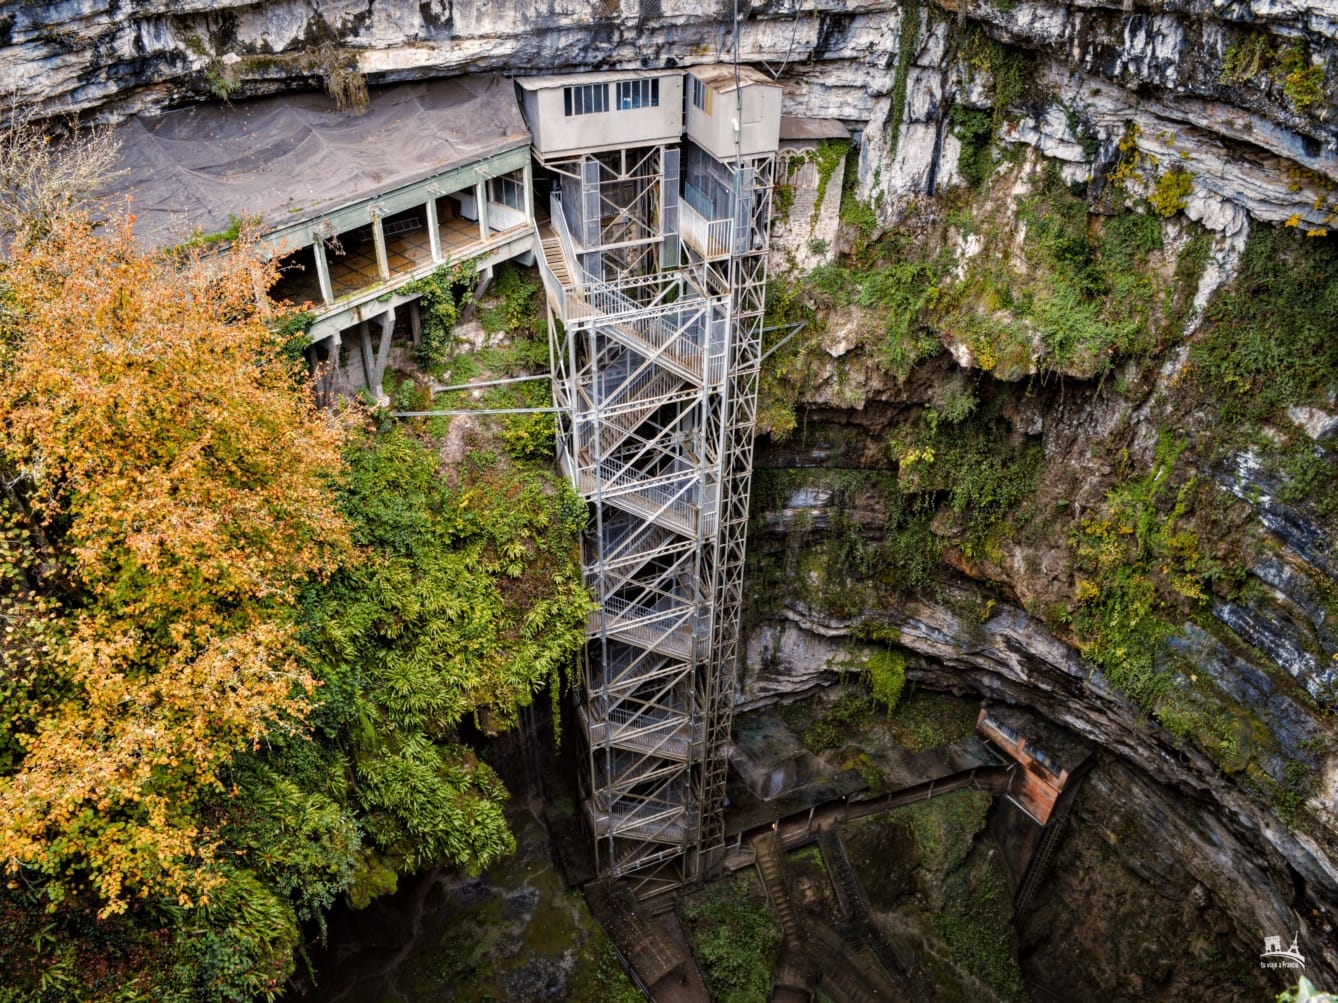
<point x="655" y="381"/>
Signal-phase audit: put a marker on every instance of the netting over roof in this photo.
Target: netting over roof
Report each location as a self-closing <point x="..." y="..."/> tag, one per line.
<point x="802" y="129"/>
<point x="293" y="156"/>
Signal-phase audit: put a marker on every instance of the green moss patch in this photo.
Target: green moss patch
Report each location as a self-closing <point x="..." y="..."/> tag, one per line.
<point x="734" y="937"/>
<point x="1267" y="340"/>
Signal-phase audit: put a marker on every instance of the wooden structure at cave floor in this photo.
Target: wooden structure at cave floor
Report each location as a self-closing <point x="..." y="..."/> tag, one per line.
<point x="654" y="263"/>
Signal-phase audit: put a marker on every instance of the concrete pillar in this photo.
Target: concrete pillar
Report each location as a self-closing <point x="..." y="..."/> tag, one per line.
<point x="335" y="345"/>
<point x="433" y="233"/>
<point x="485" y="280"/>
<point x="383" y="350"/>
<point x="528" y="181"/>
<point x="323" y="271"/>
<point x="368" y="357"/>
<point x="481" y="199"/>
<point x="379" y="238"/>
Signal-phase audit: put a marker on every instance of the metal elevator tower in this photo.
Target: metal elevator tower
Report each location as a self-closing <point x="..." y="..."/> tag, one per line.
<point x="654" y="261"/>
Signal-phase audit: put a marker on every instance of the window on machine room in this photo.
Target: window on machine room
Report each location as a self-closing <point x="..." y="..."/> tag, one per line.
<point x="701" y="96"/>
<point x="638" y="94"/>
<point x="585" y="99"/>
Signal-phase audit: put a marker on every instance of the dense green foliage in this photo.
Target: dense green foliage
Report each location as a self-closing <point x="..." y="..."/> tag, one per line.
<point x="440" y="297"/>
<point x="466" y="599"/>
<point x="1085" y="293"/>
<point x="967" y="889"/>
<point x="1259" y="58"/>
<point x="1085" y="289"/>
<point x="966" y="458"/>
<point x="854" y="560"/>
<point x="1137" y="563"/>
<point x="244" y="642"/>
<point x="974" y="129"/>
<point x="901" y="290"/>
<point x="734" y="937"/>
<point x="908" y="39"/>
<point x="827" y="157"/>
<point x="1268" y="338"/>
<point x="885" y="672"/>
<point x="922" y="719"/>
<point x="837" y="722"/>
<point x="1009" y="73"/>
<point x="976" y="924"/>
<point x="475" y="601"/>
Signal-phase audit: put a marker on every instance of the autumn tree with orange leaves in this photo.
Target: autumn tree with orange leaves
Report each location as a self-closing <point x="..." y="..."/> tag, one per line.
<point x="239" y="640"/>
<point x="166" y="491"/>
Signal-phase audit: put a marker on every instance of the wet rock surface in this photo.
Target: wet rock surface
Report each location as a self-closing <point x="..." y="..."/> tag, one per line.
<point x="515" y="932"/>
<point x="1223" y="824"/>
<point x="1123" y="916"/>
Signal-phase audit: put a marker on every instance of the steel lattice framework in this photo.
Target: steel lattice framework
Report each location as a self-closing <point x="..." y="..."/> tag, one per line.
<point x="655" y="320"/>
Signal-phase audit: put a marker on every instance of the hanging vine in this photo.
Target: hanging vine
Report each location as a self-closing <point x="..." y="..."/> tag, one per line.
<point x="440" y="302"/>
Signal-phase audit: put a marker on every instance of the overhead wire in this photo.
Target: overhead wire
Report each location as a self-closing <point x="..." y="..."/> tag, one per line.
<point x="794" y="34"/>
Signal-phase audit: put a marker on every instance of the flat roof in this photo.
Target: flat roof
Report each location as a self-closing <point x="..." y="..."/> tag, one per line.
<point x="604" y="76"/>
<point x="292" y="157"/>
<point x="812" y="128"/>
<point x="721" y="75"/>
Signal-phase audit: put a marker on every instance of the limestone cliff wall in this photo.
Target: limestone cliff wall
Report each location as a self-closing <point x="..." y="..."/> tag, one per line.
<point x="1251" y="84"/>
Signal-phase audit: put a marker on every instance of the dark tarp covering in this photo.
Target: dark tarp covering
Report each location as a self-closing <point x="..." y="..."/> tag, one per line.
<point x="293" y="157"/>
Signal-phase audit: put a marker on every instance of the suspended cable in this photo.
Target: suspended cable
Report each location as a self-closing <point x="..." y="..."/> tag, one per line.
<point x="794" y="33"/>
<point x="475" y="410"/>
<point x="490" y="383"/>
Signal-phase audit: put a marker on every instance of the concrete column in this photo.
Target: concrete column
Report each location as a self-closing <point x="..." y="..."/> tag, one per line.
<point x="481" y="198"/>
<point x="335" y="345"/>
<point x="323" y="271"/>
<point x="379" y="238"/>
<point x="383" y="349"/>
<point x="528" y="181"/>
<point x="368" y="357"/>
<point x="433" y="233"/>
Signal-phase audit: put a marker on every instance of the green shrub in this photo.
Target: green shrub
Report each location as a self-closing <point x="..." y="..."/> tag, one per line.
<point x="850" y="713"/>
<point x="512" y="305"/>
<point x="1267" y="339"/>
<point x="734" y="938"/>
<point x="907" y="40"/>
<point x="1140" y="568"/>
<point x="440" y="301"/>
<point x="827" y="157"/>
<point x="885" y="673"/>
<point x="976" y="924"/>
<point x="1171" y="193"/>
<point x="974" y="129"/>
